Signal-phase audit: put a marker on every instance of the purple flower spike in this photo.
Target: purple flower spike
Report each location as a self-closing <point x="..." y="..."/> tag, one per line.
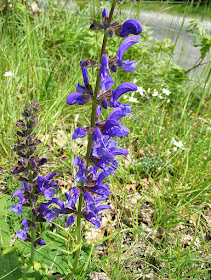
<point x="17" y="208"/>
<point x="22" y="234"/>
<point x="130" y="26"/>
<point x="79" y="133"/>
<point x="128" y="66"/>
<point x="106" y="81"/>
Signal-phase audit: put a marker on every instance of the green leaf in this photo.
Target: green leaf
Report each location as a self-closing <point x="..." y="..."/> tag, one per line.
<point x="4" y="228"/>
<point x="10" y="267"/>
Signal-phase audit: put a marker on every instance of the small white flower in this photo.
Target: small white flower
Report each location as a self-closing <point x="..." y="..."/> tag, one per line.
<point x="168" y="100"/>
<point x="155" y="93"/>
<point x="160" y="96"/>
<point x="141" y="91"/>
<point x="135" y="81"/>
<point x="9" y="74"/>
<point x="132" y="99"/>
<point x="166" y="91"/>
<point x="178" y="144"/>
<point x="168" y="152"/>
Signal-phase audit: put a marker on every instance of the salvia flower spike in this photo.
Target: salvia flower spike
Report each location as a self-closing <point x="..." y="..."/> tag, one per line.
<point x="32" y="187"/>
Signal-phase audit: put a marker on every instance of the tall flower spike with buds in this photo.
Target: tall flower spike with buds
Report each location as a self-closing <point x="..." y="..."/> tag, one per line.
<point x="90" y="173"/>
<point x="28" y="169"/>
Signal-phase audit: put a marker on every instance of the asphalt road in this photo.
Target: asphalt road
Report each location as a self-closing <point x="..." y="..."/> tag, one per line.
<point x="174" y="27"/>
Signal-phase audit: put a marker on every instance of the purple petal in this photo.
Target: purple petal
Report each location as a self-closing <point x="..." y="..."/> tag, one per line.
<point x="80" y="176"/>
<point x="131" y="26"/>
<point x="80" y="89"/>
<point x="25" y="187"/>
<point x="79" y="133"/>
<point x="17" y="208"/>
<point x="59" y="202"/>
<point x="106" y="81"/>
<point x="40" y="242"/>
<point x="121" y="89"/>
<point x="98" y="111"/>
<point x="118" y="113"/>
<point x="105" y="13"/>
<point x="50" y="176"/>
<point x="125" y="45"/>
<point x="48" y="194"/>
<point x="119" y="151"/>
<point x="43" y="161"/>
<point x="128" y="66"/>
<point x="50" y="216"/>
<point x="91" y="218"/>
<point x="72" y="197"/>
<point x="75" y="98"/>
<point x="115" y="129"/>
<point x="21" y="234"/>
<point x="102" y="207"/>
<point x="99" y="152"/>
<point x="69" y="222"/>
<point x="85" y="75"/>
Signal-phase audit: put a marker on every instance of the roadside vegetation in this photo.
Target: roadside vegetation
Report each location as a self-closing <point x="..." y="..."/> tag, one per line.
<point x="177" y="8"/>
<point x="160" y="223"/>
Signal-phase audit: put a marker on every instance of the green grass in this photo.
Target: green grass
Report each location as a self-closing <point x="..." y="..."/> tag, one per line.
<point x="159" y="226"/>
<point x="182" y="8"/>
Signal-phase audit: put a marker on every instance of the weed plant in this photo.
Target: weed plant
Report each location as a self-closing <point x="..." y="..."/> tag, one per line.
<point x="160" y="226"/>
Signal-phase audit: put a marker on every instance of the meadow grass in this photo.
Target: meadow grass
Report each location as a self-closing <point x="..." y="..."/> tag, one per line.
<point x="160" y="223"/>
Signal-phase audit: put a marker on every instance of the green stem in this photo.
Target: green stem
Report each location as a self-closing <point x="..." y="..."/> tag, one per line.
<point x="33" y="237"/>
<point x="78" y="235"/>
<point x="93" y="116"/>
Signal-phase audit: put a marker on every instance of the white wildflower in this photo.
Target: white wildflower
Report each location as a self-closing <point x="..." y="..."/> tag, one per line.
<point x="132" y="99"/>
<point x="178" y="144"/>
<point x="166" y="91"/>
<point x="160" y="96"/>
<point x="141" y="91"/>
<point x="155" y="93"/>
<point x="135" y="81"/>
<point x="9" y="74"/>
